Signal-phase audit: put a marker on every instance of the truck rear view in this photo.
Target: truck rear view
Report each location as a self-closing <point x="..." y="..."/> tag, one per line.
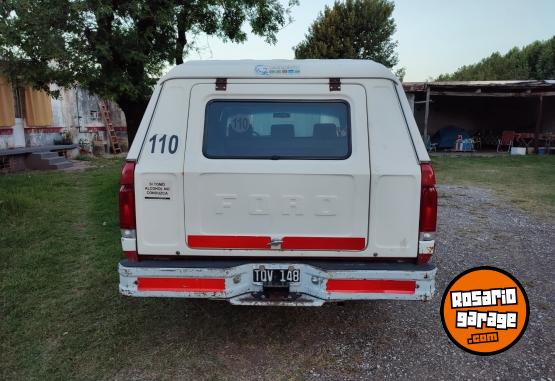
<point x="278" y="182"/>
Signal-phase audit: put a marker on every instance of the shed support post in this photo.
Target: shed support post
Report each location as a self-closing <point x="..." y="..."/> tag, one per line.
<point x="427" y="112"/>
<point x="539" y="117"/>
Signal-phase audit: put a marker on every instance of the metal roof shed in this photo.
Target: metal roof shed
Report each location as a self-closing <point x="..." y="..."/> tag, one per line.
<point x="484" y="106"/>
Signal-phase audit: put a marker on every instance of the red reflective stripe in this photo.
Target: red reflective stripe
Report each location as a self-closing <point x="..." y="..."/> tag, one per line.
<point x="263" y="242"/>
<point x="323" y="243"/>
<point x="227" y="242"/>
<point x="181" y="284"/>
<point x="371" y="286"/>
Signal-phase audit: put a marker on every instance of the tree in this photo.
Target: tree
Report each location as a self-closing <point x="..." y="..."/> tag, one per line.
<point x="117" y="49"/>
<point x="360" y="29"/>
<point x="534" y="61"/>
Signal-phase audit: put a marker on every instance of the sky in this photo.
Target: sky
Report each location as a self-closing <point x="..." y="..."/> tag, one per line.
<point x="434" y="36"/>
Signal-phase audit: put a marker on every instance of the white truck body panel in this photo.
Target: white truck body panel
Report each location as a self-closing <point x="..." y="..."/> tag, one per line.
<point x="373" y="195"/>
<point x="334" y="194"/>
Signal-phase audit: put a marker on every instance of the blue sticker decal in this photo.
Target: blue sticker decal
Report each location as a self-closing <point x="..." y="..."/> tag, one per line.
<point x="278" y="70"/>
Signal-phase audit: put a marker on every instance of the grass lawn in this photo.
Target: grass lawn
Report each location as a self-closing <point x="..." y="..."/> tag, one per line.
<point x="62" y="318"/>
<point x="528" y="182"/>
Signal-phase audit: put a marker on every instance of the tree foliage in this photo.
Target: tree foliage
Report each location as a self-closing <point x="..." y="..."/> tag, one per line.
<point x="117" y="49"/>
<point x="534" y="61"/>
<point x="360" y="29"/>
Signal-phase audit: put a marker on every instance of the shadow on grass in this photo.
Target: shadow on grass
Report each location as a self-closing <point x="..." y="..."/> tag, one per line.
<point x="220" y="340"/>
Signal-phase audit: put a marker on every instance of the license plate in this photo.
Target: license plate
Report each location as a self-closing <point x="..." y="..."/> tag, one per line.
<point x="276" y="276"/>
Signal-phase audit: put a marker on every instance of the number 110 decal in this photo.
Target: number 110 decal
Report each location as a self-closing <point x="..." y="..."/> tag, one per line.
<point x="172" y="143"/>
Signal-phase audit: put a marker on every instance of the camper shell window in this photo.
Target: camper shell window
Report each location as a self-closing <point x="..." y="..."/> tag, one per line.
<point x="275" y="129"/>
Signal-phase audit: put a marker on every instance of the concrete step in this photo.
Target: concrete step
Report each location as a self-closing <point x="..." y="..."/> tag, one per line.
<point x="66" y="164"/>
<point x="45" y="154"/>
<point x="46" y="160"/>
<point x="57" y="159"/>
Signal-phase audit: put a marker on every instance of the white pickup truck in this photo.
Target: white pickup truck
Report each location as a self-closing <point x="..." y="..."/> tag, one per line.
<point x="278" y="183"/>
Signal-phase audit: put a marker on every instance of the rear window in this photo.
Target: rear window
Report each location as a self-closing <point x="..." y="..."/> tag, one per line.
<point x="277" y="130"/>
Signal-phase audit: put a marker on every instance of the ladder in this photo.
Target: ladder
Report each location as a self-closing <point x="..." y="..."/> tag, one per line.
<point x="109" y="127"/>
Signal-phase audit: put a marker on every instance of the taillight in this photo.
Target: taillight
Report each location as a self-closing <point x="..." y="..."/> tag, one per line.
<point x="127" y="197"/>
<point x="428" y="199"/>
<point x="127" y="205"/>
<point x="428" y="208"/>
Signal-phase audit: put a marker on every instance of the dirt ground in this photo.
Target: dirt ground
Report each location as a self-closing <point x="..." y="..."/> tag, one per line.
<point x="381" y="339"/>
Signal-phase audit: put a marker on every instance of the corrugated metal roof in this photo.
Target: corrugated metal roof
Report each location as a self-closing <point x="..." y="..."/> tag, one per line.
<point x="486" y="85"/>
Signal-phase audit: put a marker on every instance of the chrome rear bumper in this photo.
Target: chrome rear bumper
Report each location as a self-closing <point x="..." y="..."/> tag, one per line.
<point x="351" y="280"/>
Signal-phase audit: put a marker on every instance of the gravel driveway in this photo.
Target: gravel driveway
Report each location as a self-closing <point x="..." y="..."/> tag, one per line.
<point x="383" y="339"/>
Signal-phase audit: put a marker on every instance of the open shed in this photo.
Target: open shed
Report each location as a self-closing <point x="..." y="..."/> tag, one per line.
<point x="484" y="108"/>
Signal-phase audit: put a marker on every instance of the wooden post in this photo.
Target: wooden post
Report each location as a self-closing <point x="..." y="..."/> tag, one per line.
<point x="539" y="116"/>
<point x="427" y="112"/>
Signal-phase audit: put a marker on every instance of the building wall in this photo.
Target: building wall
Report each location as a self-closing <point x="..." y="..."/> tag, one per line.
<point x="78" y="112"/>
<point x="6" y="138"/>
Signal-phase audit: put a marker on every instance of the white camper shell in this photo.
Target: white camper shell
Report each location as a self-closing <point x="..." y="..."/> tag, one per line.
<point x="278" y="182"/>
